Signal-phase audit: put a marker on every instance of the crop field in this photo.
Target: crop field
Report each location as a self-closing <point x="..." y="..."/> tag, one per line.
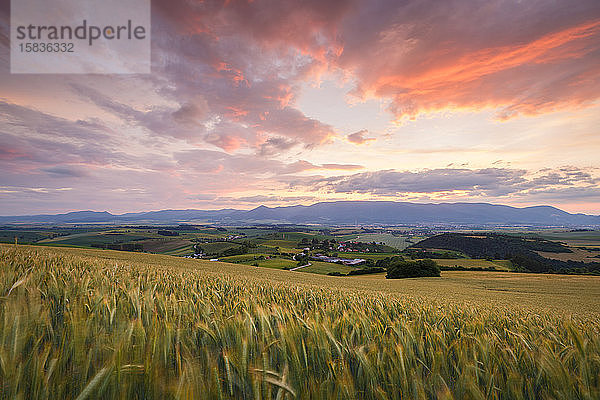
<point x="84" y="323"/>
<point x="87" y="239"/>
<point x="397" y="242"/>
<point x="217" y="247"/>
<point x="291" y="244"/>
<point x="475" y="263"/>
<point x="297" y="236"/>
<point x="279" y="263"/>
<point x="269" y="250"/>
<point x="319" y="267"/>
<point x="9" y="235"/>
<point x="316" y="267"/>
<point x="165" y="245"/>
<point x="577" y="254"/>
<point x="577" y="238"/>
<point x="294" y="237"/>
<point x="153" y="242"/>
<point x="276" y="245"/>
<point x="251" y="232"/>
<point x="242" y="258"/>
<point x="184" y="250"/>
<point x="252" y="260"/>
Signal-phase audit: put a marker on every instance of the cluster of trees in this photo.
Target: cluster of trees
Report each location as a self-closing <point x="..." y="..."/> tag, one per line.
<point x="231" y="251"/>
<point x="362" y="271"/>
<point x="533" y="262"/>
<point x="397" y="267"/>
<point x="368" y="270"/>
<point x="164" y="232"/>
<point x="332" y="244"/>
<point x="461" y="268"/>
<point x="424" y="253"/>
<point x="412" y="269"/>
<point x="384" y="262"/>
<point x="302" y="259"/>
<point x="371" y="247"/>
<point x="206" y="240"/>
<point x="522" y="252"/>
<point x="490" y="245"/>
<point x="316" y="244"/>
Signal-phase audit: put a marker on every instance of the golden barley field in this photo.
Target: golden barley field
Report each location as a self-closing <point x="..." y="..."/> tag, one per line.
<point x="86" y="324"/>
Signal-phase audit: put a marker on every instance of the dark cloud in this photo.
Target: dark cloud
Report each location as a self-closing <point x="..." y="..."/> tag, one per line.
<point x="66" y="171"/>
<point x="192" y="113"/>
<point x="183" y="122"/>
<point x="276" y="145"/>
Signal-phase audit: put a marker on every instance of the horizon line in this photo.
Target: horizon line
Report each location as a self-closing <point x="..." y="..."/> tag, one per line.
<point x="288" y="206"/>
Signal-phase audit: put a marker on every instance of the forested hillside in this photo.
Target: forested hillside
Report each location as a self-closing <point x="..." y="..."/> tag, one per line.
<point x="521" y="251"/>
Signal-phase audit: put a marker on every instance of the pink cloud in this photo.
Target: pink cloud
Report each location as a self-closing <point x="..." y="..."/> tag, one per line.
<point x="246" y="59"/>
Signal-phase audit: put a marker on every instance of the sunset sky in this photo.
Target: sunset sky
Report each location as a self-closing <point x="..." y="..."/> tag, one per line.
<point x="293" y="102"/>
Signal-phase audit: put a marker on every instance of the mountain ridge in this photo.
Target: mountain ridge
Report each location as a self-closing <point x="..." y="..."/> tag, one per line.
<point x="335" y="213"/>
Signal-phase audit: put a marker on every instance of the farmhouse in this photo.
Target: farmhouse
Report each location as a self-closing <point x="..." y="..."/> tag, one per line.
<point x="345" y="261"/>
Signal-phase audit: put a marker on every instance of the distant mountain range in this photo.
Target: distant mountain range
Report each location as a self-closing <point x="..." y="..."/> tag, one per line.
<point x="334" y="213"/>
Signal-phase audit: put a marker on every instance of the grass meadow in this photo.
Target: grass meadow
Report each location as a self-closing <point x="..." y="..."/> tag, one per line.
<point x="320" y="267"/>
<point x="80" y="323"/>
<point x="397" y="242"/>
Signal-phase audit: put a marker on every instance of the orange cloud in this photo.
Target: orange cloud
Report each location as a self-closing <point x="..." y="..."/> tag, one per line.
<point x="342" y="166"/>
<point x="528" y="78"/>
<point x="550" y="48"/>
<point x="518" y="57"/>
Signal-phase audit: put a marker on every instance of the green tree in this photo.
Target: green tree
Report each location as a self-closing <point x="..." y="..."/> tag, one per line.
<point x="412" y="269"/>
